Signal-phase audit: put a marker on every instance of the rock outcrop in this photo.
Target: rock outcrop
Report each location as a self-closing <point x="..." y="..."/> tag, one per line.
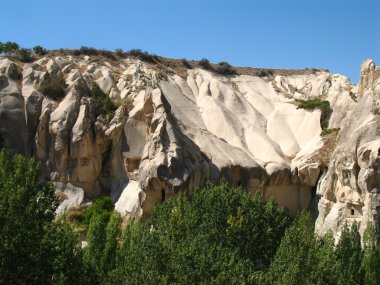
<point x="185" y="131"/>
<point x="348" y="190"/>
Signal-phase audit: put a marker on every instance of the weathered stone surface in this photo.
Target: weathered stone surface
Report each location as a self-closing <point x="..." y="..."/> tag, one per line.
<point x="131" y="200"/>
<point x="354" y="168"/>
<point x="13" y="129"/>
<point x="10" y="69"/>
<point x="72" y="196"/>
<point x="183" y="131"/>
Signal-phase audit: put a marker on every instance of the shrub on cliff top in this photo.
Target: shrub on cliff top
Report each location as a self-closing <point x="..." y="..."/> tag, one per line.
<point x="313" y="104"/>
<point x="143" y="55"/>
<point x="186" y="63"/>
<point x="225" y="68"/>
<point x="9" y="48"/>
<point x="88" y="50"/>
<point x="24" y="55"/>
<point x="205" y="64"/>
<point x="39" y="50"/>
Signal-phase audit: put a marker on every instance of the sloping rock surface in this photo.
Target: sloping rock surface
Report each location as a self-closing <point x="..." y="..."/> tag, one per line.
<point x="185" y="131"/>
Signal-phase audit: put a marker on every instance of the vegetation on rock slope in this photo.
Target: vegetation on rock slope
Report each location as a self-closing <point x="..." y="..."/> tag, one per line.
<point x="219" y="235"/>
<point x="313" y="104"/>
<point x="162" y="65"/>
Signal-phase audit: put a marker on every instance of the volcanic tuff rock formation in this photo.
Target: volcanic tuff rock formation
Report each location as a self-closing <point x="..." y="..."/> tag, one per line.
<point x="349" y="188"/>
<point x="184" y="131"/>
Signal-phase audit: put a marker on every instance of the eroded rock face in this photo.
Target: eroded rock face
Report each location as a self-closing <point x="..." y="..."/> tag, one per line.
<point x="353" y="172"/>
<point x="184" y="131"/>
<point x="13" y="129"/>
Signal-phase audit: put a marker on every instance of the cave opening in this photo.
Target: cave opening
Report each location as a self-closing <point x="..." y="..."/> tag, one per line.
<point x="163" y="194"/>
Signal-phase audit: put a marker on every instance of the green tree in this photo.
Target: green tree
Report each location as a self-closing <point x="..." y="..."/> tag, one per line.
<point x="96" y="238"/>
<point x="349" y="255"/>
<point x="24" y="55"/>
<point x="35" y="248"/>
<point x="9" y="48"/>
<point x="297" y="254"/>
<point x="108" y="259"/>
<point x="140" y="258"/>
<point x="39" y="50"/>
<point x="119" y="52"/>
<point x="27" y="210"/>
<point x="65" y="248"/>
<point x="101" y="206"/>
<point x="219" y="235"/>
<point x="371" y="257"/>
<point x="239" y="220"/>
<point x="326" y="267"/>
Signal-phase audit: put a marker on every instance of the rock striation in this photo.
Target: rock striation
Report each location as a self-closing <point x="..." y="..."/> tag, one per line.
<point x="201" y="126"/>
<point x="348" y="190"/>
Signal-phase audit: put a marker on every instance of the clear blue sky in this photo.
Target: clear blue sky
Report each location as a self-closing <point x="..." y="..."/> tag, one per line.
<point x="333" y="34"/>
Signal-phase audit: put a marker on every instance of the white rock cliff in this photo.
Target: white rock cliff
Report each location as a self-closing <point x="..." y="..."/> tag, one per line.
<point x="184" y="131"/>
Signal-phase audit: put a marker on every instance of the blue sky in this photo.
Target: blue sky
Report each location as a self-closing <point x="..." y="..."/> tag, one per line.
<point x="333" y="34"/>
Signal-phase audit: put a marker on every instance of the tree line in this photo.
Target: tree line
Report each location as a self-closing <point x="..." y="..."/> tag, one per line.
<point x="219" y="235"/>
<point x="23" y="54"/>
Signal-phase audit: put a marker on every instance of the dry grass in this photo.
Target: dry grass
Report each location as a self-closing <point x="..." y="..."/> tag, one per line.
<point x="127" y="103"/>
<point x="74" y="213"/>
<point x="60" y="196"/>
<point x="168" y="66"/>
<point x="323" y="155"/>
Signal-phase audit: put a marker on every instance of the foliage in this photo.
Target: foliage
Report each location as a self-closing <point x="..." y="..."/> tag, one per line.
<point x="225" y="68"/>
<point x="9" y="48"/>
<point x="96" y="237"/>
<point x="100" y="207"/>
<point x="108" y="258"/>
<point x="349" y="254"/>
<point x="313" y="104"/>
<point x="326" y="266"/>
<point x="65" y="246"/>
<point x="101" y="103"/>
<point x="88" y="50"/>
<point x="54" y="87"/>
<point x="106" y="53"/>
<point x="76" y="52"/>
<point x="264" y="72"/>
<point x="140" y="257"/>
<point x="35" y="248"/>
<point x="143" y="55"/>
<point x="119" y="52"/>
<point x="371" y="257"/>
<point x="296" y="255"/>
<point x="26" y="210"/>
<point x="221" y="236"/>
<point x="326" y="132"/>
<point x="205" y="64"/>
<point x="102" y="236"/>
<point x="302" y="258"/>
<point x="186" y="63"/>
<point x="126" y="102"/>
<point x="24" y="55"/>
<point x="39" y="50"/>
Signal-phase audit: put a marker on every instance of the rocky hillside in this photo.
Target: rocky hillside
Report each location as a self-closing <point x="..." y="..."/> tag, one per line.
<point x="155" y="128"/>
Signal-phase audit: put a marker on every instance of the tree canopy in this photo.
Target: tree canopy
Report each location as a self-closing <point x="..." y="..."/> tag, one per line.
<point x="218" y="235"/>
